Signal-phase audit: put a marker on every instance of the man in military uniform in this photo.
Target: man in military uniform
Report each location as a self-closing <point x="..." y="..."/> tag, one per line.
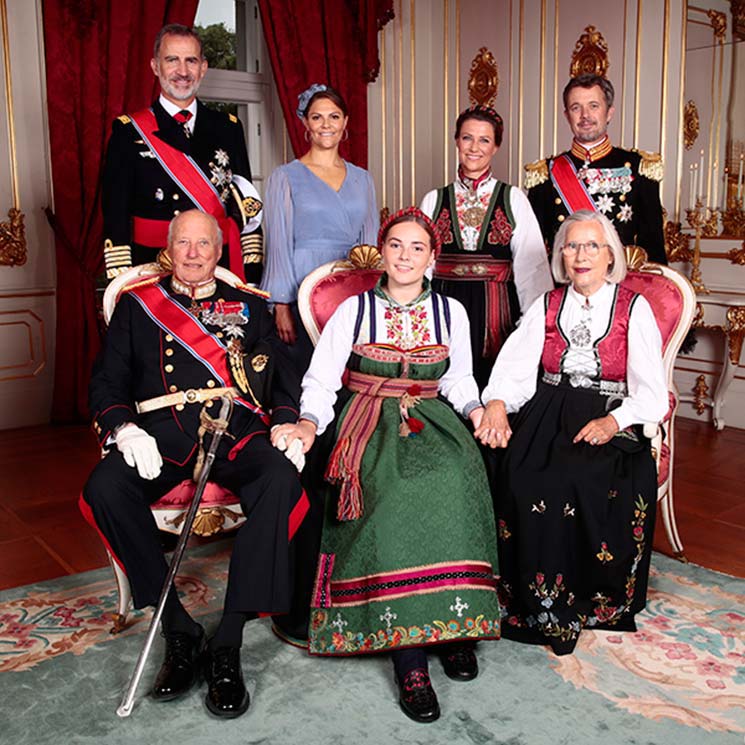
<point x="622" y="184"/>
<point x="174" y="344"/>
<point x="175" y="156"/>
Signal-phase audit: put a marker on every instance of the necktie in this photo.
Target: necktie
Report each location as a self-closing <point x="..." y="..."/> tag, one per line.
<point x="182" y="117"/>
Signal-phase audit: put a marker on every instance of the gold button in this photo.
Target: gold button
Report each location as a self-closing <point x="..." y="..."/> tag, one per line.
<point x="179" y="407"/>
<point x="622" y="197"/>
<point x="176" y="212"/>
<point x="168" y="368"/>
<point x="219" y="334"/>
<point x="169" y="337"/>
<point x="208" y="405"/>
<point x="557" y="200"/>
<point x="173" y="388"/>
<point x="561" y="218"/>
<point x="176" y="197"/>
<point x="169" y="352"/>
<point x="210" y="384"/>
<point x="627" y="164"/>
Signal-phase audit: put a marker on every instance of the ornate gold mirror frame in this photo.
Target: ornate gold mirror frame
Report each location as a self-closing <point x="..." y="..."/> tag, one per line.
<point x="12" y="232"/>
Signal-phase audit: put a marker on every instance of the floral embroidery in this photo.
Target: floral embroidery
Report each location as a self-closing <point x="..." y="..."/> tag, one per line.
<point x="500" y="230"/>
<point x="417" y="333"/>
<point x="502" y="530"/>
<point x="604" y="555"/>
<point x="568" y="510"/>
<point x="540" y="508"/>
<point x="392" y="637"/>
<point x="444" y="227"/>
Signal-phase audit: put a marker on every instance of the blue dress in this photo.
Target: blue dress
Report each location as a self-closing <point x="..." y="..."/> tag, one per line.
<point x="307" y="223"/>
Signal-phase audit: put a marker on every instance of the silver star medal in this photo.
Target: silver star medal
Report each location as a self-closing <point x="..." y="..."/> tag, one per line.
<point x="625" y="213"/>
<point x="604" y="203"/>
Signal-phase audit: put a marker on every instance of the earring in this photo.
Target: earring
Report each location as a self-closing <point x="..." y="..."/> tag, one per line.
<point x="345" y="135"/>
<point x="306" y="134"/>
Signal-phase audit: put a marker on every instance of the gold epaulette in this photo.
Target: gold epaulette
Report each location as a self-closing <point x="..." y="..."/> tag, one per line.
<point x="233" y="118"/>
<point x="124" y="119"/>
<point x="145" y="283"/>
<point x="535" y="173"/>
<point x="651" y="165"/>
<point x="253" y="290"/>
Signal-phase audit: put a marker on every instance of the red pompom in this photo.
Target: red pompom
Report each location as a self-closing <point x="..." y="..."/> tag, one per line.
<point x="415" y="425"/>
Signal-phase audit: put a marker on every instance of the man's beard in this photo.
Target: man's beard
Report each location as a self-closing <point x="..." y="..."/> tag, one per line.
<point x="180" y="94"/>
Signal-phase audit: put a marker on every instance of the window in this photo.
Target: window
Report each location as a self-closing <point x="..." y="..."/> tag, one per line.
<point x="239" y="78"/>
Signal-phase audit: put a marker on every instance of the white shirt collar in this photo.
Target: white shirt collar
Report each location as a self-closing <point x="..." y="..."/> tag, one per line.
<point x="598" y="297"/>
<point x="172" y="109"/>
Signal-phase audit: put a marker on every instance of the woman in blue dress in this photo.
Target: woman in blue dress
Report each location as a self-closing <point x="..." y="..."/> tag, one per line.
<point x="316" y="208"/>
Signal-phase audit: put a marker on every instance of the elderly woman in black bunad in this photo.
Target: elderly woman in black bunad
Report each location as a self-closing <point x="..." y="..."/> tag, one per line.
<point x="493" y="257"/>
<point x="576" y="495"/>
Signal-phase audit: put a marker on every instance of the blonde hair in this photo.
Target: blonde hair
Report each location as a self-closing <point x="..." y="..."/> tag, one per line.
<point x="617" y="271"/>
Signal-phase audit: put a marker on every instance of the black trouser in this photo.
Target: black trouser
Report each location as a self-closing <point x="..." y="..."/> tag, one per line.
<point x="262" y="564"/>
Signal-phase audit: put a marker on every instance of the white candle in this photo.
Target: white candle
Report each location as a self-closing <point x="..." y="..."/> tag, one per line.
<point x="739" y="179"/>
<point x="700" y="192"/>
<point x="695" y="185"/>
<point x="715" y="181"/>
<point x="724" y="189"/>
<point x="690" y="186"/>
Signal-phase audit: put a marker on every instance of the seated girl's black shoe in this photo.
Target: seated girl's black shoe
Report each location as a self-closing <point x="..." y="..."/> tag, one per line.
<point x="227" y="696"/>
<point x="417" y="698"/>
<point x="459" y="661"/>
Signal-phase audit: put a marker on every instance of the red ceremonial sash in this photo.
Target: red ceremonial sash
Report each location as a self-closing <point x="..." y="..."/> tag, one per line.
<point x="193" y="181"/>
<point x="177" y="321"/>
<point x="569" y="185"/>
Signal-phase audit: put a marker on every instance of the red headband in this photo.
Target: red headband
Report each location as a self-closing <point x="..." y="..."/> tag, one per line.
<point x="414" y="212"/>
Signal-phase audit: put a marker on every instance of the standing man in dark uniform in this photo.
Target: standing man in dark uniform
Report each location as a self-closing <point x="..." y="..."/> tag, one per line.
<point x="175" y="343"/>
<point x="175" y="156"/>
<point x="622" y="184"/>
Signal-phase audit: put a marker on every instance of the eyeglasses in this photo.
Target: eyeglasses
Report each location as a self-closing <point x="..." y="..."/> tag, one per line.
<point x="591" y="248"/>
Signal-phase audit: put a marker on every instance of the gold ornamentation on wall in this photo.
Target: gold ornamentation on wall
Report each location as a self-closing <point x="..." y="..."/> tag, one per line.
<point x="13" y="239"/>
<point x="590" y="54"/>
<point x="691" y="124"/>
<point x="483" y="79"/>
<point x="737" y="255"/>
<point x="677" y="243"/>
<point x="718" y="23"/>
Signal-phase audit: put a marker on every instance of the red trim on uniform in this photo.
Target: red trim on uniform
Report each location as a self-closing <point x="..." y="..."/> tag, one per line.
<point x="87" y="513"/>
<point x="233" y="452"/>
<point x="299" y="511"/>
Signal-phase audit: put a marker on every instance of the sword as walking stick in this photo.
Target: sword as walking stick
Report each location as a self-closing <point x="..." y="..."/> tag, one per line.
<point x="217" y="427"/>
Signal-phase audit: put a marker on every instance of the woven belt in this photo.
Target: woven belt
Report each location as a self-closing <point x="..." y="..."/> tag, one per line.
<point x="191" y="396"/>
<point x="604" y="387"/>
<point x="473" y="268"/>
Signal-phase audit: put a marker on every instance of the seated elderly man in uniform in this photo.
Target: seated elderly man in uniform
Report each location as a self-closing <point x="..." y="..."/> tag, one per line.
<point x="188" y="331"/>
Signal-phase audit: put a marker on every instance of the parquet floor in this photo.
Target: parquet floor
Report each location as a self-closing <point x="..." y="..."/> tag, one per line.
<point x="42" y="469"/>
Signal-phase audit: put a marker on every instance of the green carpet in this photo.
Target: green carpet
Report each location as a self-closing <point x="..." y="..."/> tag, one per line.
<point x="679" y="680"/>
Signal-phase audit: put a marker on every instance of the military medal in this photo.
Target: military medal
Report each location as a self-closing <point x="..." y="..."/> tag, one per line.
<point x="228" y="315"/>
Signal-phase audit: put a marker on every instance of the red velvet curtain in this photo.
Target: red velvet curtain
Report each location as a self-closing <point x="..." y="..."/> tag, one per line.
<point x="98" y="66"/>
<point x="325" y="41"/>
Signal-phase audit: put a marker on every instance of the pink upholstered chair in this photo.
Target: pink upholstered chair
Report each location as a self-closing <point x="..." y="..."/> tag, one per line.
<point x="326" y="287"/>
<point x="219" y="511"/>
<point x="673" y="301"/>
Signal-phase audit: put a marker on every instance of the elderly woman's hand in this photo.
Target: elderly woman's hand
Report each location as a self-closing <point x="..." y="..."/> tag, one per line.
<point x="285" y="323"/>
<point x="598" y="431"/>
<point x="494" y="429"/>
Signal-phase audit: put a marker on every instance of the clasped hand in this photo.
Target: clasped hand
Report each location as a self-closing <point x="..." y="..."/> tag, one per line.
<point x="294" y="440"/>
<point x="140" y="450"/>
<point x="493" y="429"/>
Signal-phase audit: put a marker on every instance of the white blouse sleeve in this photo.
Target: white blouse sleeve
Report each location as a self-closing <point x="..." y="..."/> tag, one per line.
<point x="458" y="384"/>
<point x="645" y="374"/>
<point x="513" y="377"/>
<point x="323" y="379"/>
<point x="529" y="258"/>
<point x="429" y="203"/>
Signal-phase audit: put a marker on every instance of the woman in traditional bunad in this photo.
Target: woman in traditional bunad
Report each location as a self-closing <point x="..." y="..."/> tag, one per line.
<point x="408" y="556"/>
<point x="577" y="493"/>
<point x="316" y="208"/>
<point x="493" y="257"/>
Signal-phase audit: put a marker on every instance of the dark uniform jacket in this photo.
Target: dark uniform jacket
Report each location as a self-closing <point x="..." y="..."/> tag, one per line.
<point x="140" y="361"/>
<point x="636" y="214"/>
<point x="135" y="184"/>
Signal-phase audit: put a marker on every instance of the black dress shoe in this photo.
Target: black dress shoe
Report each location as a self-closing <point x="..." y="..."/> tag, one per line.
<point x="417" y="698"/>
<point x="459" y="661"/>
<point x="227" y="696"/>
<point x="180" y="668"/>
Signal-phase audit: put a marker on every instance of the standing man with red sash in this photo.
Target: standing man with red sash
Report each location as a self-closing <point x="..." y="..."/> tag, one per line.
<point x="594" y="175"/>
<point x="175" y="343"/>
<point x="176" y="156"/>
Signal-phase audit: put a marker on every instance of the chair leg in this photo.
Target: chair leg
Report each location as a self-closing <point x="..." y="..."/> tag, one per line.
<point x="665" y="500"/>
<point x="125" y="597"/>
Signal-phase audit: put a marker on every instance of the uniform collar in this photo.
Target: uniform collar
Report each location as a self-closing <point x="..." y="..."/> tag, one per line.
<point x="195" y="293"/>
<point x="171" y="109"/>
<point x="597" y="151"/>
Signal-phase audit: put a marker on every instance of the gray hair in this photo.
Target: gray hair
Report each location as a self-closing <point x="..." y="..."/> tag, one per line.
<point x="215" y="226"/>
<point x="617" y="271"/>
<point x="176" y="29"/>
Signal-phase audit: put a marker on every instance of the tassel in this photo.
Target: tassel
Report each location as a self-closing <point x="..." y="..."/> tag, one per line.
<point x="337" y="466"/>
<point x="350" y="499"/>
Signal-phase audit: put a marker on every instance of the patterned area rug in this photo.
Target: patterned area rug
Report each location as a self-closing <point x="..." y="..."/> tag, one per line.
<point x="679" y="679"/>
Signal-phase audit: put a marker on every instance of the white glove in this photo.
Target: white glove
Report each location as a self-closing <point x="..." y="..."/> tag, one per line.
<point x="139" y="450"/>
<point x="294" y="453"/>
